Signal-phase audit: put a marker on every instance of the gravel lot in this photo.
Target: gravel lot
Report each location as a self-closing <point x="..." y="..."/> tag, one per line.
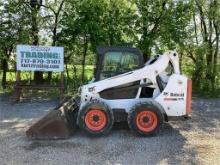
<point x="195" y="141"/>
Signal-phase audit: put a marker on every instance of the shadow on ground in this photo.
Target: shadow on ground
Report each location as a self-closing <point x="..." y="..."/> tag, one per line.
<point x="122" y="147"/>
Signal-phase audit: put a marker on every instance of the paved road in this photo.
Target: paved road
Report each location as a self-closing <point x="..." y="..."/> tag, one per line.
<point x="196" y="141"/>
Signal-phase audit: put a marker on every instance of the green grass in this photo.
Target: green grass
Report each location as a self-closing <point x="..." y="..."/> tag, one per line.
<point x="78" y="73"/>
<point x="11" y="75"/>
<point x="71" y="84"/>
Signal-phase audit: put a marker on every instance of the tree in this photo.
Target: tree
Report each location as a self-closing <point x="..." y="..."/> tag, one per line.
<point x="13" y="29"/>
<point x="54" y="8"/>
<point x="151" y="15"/>
<point x="97" y="22"/>
<point x="161" y="23"/>
<point x="202" y="44"/>
<point x="209" y="12"/>
<point x="35" y="6"/>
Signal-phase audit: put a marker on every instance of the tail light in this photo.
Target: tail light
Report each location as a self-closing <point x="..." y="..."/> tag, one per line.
<point x="189" y="97"/>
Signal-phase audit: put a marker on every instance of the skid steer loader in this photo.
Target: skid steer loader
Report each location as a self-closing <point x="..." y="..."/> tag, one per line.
<point x="123" y="89"/>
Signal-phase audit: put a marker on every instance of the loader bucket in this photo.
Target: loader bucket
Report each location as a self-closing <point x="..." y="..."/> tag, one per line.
<point x="59" y="123"/>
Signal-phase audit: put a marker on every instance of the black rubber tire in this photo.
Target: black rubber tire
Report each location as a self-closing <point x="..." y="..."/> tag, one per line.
<point x="139" y="107"/>
<point x="100" y="105"/>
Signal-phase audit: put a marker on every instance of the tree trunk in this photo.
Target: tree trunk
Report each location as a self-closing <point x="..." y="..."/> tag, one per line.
<point x="4" y="76"/>
<point x="49" y="76"/>
<point x="35" y="7"/>
<point x="7" y="53"/>
<point x="67" y="74"/>
<point x="180" y="61"/>
<point x="146" y="54"/>
<point x="84" y="57"/>
<point x="215" y="60"/>
<point x="74" y="77"/>
<point x="195" y="28"/>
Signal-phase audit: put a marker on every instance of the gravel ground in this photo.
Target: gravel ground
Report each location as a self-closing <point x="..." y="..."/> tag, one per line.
<point x="195" y="141"/>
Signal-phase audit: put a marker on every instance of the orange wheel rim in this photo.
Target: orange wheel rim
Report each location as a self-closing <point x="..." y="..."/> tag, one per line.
<point x="146" y="121"/>
<point x="95" y="119"/>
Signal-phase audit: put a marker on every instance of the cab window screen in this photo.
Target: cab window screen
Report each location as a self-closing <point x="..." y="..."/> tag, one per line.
<point x="169" y="70"/>
<point x="117" y="63"/>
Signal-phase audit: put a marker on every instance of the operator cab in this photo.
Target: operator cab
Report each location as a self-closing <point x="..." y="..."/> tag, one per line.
<point x="112" y="61"/>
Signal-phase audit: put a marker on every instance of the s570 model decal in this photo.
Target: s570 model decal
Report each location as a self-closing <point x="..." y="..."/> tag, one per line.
<point x="173" y="99"/>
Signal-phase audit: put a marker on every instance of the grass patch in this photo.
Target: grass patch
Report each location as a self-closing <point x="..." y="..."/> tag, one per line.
<point x="72" y="79"/>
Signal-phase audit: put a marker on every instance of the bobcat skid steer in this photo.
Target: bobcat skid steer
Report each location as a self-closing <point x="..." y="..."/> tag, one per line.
<point x="123" y="89"/>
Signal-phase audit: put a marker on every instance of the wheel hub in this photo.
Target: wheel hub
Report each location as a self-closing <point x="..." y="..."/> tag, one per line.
<point x="95" y="119"/>
<point x="146" y="121"/>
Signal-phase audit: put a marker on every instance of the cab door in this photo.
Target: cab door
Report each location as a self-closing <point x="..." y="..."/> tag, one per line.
<point x="113" y="61"/>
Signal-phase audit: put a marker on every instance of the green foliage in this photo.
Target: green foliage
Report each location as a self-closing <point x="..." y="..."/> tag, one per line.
<point x="162" y="24"/>
<point x="102" y="22"/>
<point x="192" y="27"/>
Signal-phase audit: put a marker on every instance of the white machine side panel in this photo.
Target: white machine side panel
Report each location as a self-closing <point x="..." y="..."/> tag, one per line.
<point x="126" y="104"/>
<point x="148" y="71"/>
<point x="173" y="98"/>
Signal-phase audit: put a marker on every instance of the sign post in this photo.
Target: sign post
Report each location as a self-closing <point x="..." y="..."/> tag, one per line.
<point x="38" y="58"/>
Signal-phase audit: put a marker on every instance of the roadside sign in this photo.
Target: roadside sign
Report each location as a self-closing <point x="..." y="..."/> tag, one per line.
<point x="39" y="58"/>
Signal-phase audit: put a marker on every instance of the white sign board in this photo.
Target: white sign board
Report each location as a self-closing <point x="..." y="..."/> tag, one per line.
<point x="39" y="58"/>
